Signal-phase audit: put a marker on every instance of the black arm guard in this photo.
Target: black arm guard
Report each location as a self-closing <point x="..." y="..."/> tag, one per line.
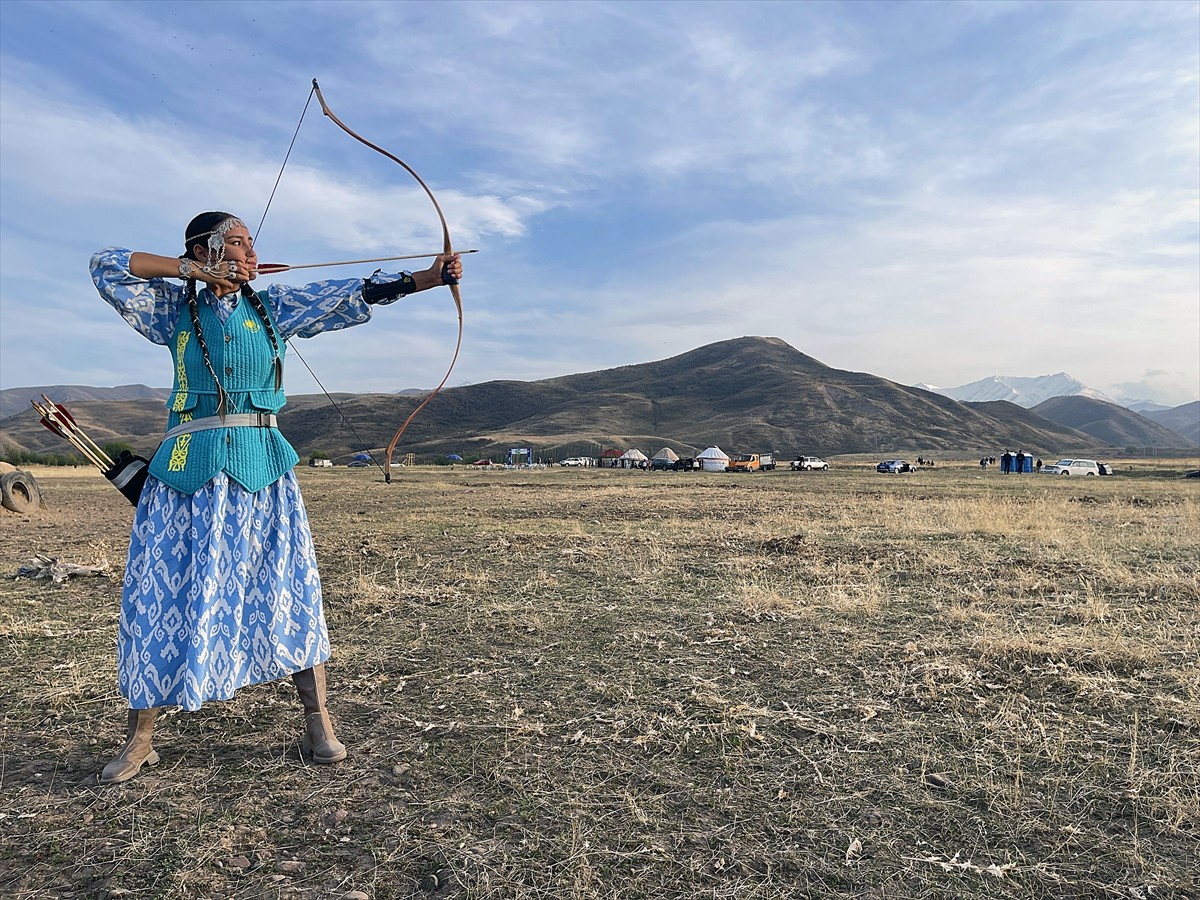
<point x="382" y="294"/>
<point x="128" y="475"/>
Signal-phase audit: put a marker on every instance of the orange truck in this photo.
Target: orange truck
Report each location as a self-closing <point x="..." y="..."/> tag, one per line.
<point x="751" y="462"/>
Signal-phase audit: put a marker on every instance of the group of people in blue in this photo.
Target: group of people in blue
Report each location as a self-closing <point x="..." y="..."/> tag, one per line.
<point x="1014" y="463"/>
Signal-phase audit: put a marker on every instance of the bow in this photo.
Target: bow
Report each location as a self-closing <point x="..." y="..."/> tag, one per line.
<point x="447" y="248"/>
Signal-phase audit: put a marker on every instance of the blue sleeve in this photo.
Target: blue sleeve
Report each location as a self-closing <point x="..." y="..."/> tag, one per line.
<point x="322" y="306"/>
<point x="150" y="306"/>
<point x="318" y="307"/>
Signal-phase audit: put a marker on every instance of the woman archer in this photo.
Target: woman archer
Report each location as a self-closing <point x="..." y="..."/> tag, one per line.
<point x="221" y="588"/>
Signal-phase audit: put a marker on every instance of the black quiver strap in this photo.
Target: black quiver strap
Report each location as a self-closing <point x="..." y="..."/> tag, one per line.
<point x="388" y="291"/>
<point x="128" y="475"/>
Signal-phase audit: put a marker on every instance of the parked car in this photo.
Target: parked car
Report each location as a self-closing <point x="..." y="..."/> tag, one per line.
<point x="572" y="461"/>
<point x="809" y="464"/>
<point x="357" y="464"/>
<point x="751" y="462"/>
<point x="1072" y="467"/>
<point x="662" y="464"/>
<point x="895" y="466"/>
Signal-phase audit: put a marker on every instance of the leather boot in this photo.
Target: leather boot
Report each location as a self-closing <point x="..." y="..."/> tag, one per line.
<point x="137" y="750"/>
<point x="319" y="740"/>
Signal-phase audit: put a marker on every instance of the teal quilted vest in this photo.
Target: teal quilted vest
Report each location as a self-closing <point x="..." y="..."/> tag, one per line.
<point x="241" y="355"/>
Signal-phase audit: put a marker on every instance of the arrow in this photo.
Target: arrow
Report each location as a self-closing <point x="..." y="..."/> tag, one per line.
<point x="276" y="268"/>
<point x="57" y="419"/>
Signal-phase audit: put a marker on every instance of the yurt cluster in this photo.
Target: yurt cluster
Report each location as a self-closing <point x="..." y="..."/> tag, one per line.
<point x="713" y="459"/>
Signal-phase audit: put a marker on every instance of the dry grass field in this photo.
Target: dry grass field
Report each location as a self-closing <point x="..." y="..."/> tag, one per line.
<point x="603" y="684"/>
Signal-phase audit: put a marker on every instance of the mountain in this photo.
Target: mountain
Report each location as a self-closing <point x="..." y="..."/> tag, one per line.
<point x="1184" y="420"/>
<point x="746" y="394"/>
<point x="1023" y="391"/>
<point x="1142" y="406"/>
<point x="1110" y="423"/>
<point x="16" y="400"/>
<point x="139" y="423"/>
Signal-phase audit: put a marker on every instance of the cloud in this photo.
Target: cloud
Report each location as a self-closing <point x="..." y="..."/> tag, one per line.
<point x="930" y="193"/>
<point x="135" y="183"/>
<point x="1165" y="387"/>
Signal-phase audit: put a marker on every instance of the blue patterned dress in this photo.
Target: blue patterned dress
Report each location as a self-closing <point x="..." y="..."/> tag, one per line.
<point x="221" y="587"/>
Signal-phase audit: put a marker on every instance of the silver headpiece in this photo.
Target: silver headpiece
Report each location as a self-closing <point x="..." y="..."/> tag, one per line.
<point x="216" y="240"/>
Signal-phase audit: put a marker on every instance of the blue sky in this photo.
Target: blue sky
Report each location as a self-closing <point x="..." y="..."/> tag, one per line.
<point x="930" y="192"/>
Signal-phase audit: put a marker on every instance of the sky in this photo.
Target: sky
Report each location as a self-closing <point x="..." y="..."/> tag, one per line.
<point x="928" y="192"/>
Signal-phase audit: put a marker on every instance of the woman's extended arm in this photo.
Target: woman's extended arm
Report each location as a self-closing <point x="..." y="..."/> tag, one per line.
<point x="336" y="304"/>
<point x="147" y="265"/>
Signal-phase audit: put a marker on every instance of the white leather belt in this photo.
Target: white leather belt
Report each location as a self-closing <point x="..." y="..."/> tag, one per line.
<point x="233" y="420"/>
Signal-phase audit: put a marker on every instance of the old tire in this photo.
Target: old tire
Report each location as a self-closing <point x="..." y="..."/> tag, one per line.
<point x="19" y="492"/>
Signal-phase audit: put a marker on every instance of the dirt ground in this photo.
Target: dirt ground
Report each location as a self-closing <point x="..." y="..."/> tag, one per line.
<point x="601" y="684"/>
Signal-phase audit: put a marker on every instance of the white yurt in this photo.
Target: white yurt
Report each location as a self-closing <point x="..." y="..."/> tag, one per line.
<point x="668" y="454"/>
<point x="630" y="459"/>
<point x="714" y="459"/>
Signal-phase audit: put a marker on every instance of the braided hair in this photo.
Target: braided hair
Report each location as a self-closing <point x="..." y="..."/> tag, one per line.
<point x="210" y="228"/>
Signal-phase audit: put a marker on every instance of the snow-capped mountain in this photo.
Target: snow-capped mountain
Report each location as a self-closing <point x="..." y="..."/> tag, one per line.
<point x="1023" y="391"/>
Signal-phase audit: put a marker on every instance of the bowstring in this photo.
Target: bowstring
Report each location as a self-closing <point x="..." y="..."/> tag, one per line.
<point x="286" y="157"/>
<point x="288" y="341"/>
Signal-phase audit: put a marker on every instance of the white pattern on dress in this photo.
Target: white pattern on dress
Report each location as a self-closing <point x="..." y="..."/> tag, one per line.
<point x="221" y="591"/>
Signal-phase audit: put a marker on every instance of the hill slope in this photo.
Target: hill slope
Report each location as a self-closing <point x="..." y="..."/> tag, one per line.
<point x="750" y="393"/>
<point x="16" y="400"/>
<point x="1184" y="420"/>
<point x="1109" y="423"/>
<point x="746" y="394"/>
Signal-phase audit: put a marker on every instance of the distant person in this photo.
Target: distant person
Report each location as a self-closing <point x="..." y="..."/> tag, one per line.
<point x="1038" y="465"/>
<point x="983" y="463"/>
<point x="1020" y="461"/>
<point x="221" y="587"/>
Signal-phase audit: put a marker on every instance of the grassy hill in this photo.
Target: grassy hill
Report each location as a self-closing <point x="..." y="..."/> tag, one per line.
<point x="746" y="394"/>
<point x="1110" y="424"/>
<point x="1184" y="420"/>
<point x="16" y="400"/>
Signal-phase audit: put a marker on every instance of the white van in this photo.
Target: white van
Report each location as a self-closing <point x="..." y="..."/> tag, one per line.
<point x="1072" y="467"/>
